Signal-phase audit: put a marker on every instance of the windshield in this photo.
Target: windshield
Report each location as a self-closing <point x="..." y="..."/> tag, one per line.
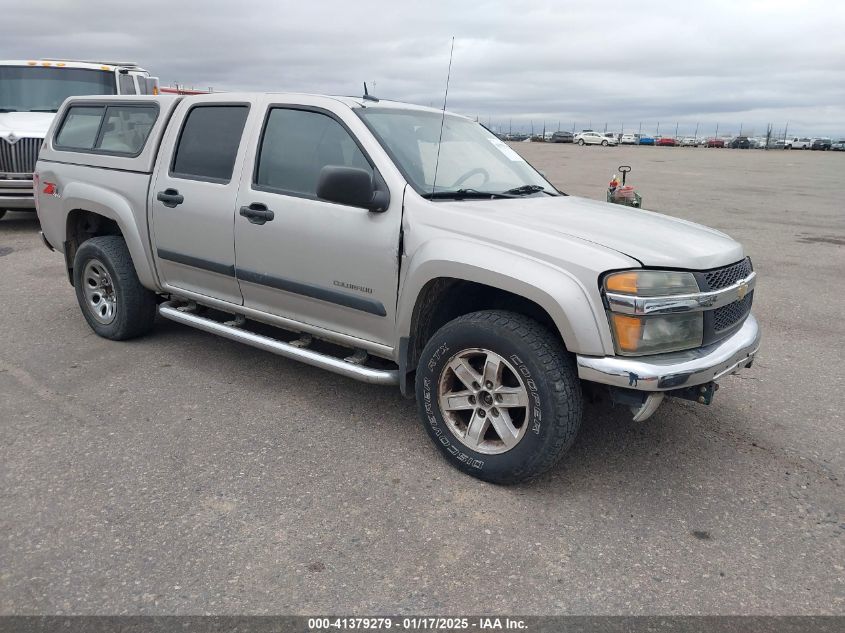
<point x="472" y="159"/>
<point x="40" y="89"/>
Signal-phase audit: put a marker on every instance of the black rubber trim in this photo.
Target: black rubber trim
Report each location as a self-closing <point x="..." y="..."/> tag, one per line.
<point x="371" y="306"/>
<point x="406" y="371"/>
<point x="197" y="262"/>
<point x="66" y="245"/>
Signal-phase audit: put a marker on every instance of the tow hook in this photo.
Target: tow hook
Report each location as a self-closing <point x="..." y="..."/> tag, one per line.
<point x="702" y="394"/>
<point x="643" y="404"/>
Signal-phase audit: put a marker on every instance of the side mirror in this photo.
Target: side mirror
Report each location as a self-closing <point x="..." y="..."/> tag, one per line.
<point x="351" y="186"/>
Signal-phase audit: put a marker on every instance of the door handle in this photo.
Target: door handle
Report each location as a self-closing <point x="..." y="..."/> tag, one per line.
<point x="257" y="213"/>
<point x="170" y="198"/>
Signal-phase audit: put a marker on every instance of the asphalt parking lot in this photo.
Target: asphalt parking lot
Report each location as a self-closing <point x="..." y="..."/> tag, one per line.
<point x="182" y="473"/>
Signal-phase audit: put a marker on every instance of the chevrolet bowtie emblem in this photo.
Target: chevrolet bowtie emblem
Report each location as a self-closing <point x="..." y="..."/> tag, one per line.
<point x="742" y="290"/>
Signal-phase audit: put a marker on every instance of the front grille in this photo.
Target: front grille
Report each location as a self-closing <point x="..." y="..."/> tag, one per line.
<point x="19" y="157"/>
<point x="727" y="316"/>
<point x="722" y="322"/>
<point x="719" y="278"/>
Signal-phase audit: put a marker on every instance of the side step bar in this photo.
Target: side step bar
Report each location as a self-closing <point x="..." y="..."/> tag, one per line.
<point x="169" y="310"/>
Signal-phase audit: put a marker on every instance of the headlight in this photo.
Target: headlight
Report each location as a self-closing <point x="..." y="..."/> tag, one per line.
<point x="651" y="283"/>
<point x="635" y="335"/>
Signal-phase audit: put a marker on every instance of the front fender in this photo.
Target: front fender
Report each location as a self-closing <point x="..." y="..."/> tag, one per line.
<point x="112" y="205"/>
<point x="575" y="308"/>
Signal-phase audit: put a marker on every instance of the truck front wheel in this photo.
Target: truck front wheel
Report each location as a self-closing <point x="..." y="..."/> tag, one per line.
<point x="113" y="301"/>
<point x="499" y="395"/>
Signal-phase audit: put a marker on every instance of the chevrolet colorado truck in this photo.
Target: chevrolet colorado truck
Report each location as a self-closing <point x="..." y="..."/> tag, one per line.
<point x="31" y="92"/>
<point x="396" y="245"/>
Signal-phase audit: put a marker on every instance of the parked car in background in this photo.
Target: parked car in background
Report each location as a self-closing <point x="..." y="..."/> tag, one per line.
<point x="715" y="142"/>
<point x="646" y="140"/>
<point x="821" y="144"/>
<point x="666" y="141"/>
<point x="838" y="146"/>
<point x="630" y="139"/>
<point x="797" y="143"/>
<point x="688" y="141"/>
<point x="30" y="93"/>
<point x="740" y="142"/>
<point x="594" y="138"/>
<point x="562" y="137"/>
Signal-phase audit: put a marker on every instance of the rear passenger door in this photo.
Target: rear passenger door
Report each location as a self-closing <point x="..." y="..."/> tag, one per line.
<point x="192" y="199"/>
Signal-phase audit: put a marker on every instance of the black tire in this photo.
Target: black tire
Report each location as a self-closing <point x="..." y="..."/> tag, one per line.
<point x="2" y="213"/>
<point x="552" y="387"/>
<point x="135" y="306"/>
<point x="604" y="143"/>
<point x="581" y="142"/>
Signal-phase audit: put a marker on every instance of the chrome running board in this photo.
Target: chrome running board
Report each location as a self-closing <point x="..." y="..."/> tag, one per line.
<point x="170" y="310"/>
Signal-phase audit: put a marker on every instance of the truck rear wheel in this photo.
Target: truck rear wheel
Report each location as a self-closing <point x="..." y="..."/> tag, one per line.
<point x="499" y="395"/>
<point x="112" y="299"/>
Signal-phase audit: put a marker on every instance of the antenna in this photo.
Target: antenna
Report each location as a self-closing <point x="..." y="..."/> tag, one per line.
<point x="367" y="96"/>
<point x="443" y="117"/>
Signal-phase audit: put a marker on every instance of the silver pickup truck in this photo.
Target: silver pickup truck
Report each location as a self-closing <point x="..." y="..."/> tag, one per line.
<point x="397" y="245"/>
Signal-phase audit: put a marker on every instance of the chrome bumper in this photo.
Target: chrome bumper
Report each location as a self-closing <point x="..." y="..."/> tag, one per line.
<point x="677" y="370"/>
<point x="16" y="193"/>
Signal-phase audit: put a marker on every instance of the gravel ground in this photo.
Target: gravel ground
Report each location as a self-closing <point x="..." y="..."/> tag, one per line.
<point x="182" y="473"/>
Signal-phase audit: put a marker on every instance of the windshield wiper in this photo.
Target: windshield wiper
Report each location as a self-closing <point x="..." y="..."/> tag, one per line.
<point x="525" y="190"/>
<point x="460" y="194"/>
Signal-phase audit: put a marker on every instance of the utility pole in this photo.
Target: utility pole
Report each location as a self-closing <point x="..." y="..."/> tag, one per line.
<point x="784" y="132"/>
<point x="717" y="131"/>
<point x="641" y="128"/>
<point x="696" y="131"/>
<point x="740" y="129"/>
<point x="676" y="130"/>
<point x="657" y="133"/>
<point x="605" y="127"/>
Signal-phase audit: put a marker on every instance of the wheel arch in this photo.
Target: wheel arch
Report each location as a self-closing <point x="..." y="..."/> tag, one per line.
<point x="91" y="211"/>
<point x="437" y="291"/>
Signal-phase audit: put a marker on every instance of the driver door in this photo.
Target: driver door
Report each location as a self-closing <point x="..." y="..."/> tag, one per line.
<point x="325" y="264"/>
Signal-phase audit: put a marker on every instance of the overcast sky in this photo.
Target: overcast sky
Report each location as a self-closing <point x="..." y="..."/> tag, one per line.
<point x="577" y="63"/>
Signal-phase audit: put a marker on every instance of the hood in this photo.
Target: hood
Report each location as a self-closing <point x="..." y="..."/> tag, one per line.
<point x="32" y="124"/>
<point x="650" y="238"/>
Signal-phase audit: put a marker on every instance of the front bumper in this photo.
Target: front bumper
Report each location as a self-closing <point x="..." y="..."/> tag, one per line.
<point x="664" y="372"/>
<point x="16" y="193"/>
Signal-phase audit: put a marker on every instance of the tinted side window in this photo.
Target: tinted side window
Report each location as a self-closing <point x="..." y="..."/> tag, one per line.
<point x="126" y="128"/>
<point x="297" y="144"/>
<point x="208" y="143"/>
<point x="127" y="84"/>
<point x="80" y="127"/>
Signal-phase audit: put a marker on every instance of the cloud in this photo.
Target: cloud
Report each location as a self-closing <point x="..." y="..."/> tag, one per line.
<point x="617" y="62"/>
